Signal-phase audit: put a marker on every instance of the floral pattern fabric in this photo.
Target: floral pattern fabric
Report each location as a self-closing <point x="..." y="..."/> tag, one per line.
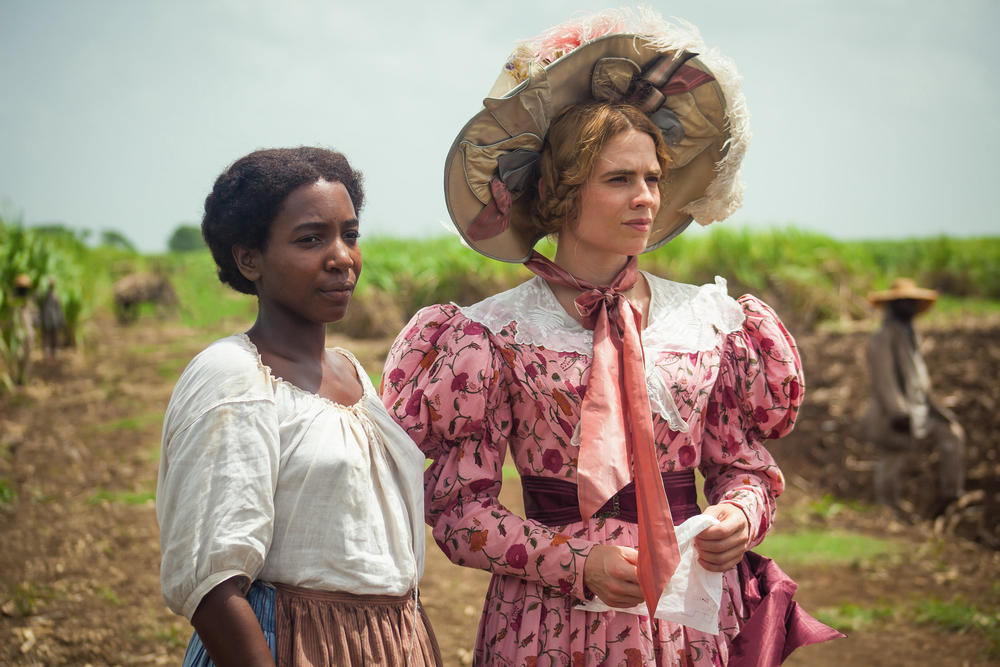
<point x="467" y="394"/>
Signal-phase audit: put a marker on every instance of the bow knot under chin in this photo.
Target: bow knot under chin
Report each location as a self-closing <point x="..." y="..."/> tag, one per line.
<point x="593" y="301"/>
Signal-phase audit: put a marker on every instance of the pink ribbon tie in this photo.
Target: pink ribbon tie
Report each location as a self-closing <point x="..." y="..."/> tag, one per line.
<point x="616" y="425"/>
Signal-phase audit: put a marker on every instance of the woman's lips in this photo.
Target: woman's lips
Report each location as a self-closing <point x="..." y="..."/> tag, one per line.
<point x="639" y="225"/>
<point x="337" y="291"/>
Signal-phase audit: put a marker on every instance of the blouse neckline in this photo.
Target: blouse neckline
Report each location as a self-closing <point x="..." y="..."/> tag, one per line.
<point x="366" y="387"/>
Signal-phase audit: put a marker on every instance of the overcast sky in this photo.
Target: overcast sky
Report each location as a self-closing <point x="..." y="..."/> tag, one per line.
<point x="871" y="118"/>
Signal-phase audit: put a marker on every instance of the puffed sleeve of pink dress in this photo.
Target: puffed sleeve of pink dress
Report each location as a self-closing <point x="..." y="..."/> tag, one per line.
<point x="756" y="397"/>
<point x="509" y="373"/>
<point x="447" y="382"/>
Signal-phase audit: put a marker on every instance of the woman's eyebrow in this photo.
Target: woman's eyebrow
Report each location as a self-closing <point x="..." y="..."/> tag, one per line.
<point x="317" y="224"/>
<point x="628" y="172"/>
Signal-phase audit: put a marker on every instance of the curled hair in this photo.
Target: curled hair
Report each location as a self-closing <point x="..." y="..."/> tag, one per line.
<point x="574" y="141"/>
<point x="248" y="196"/>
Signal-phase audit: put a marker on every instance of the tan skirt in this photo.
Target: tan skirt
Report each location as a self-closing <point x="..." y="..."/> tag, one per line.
<point x="321" y="628"/>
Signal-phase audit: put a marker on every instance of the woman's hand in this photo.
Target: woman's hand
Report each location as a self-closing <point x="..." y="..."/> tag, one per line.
<point x="611" y="573"/>
<point x="229" y="629"/>
<point x="721" y="546"/>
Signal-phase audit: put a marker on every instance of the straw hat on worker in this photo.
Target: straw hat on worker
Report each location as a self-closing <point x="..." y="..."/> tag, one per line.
<point x="905" y="288"/>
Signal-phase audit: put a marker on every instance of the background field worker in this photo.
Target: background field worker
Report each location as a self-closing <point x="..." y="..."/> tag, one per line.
<point x="904" y="416"/>
<point x="19" y="337"/>
<point x="52" y="320"/>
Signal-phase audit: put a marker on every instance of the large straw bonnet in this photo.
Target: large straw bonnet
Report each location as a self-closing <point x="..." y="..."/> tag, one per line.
<point x="905" y="288"/>
<point x="691" y="92"/>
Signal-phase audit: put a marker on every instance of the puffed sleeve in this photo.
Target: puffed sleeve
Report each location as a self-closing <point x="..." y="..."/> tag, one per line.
<point x="449" y="385"/>
<point x="218" y="473"/>
<point x="756" y="396"/>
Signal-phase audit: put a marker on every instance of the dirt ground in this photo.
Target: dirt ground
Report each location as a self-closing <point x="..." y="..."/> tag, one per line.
<point x="79" y="446"/>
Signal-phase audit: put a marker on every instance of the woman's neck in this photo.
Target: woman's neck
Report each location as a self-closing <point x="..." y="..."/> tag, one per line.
<point x="282" y="336"/>
<point x="595" y="268"/>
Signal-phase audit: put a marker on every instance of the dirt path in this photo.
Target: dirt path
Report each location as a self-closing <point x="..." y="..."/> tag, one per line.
<point x="78" y="565"/>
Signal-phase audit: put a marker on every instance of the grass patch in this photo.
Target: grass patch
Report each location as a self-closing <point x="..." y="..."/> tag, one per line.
<point x="106" y="547"/>
<point x="39" y="496"/>
<point x="952" y="616"/>
<point x="108" y="595"/>
<point x="193" y="342"/>
<point x="851" y="617"/>
<point x="26" y="598"/>
<point x="950" y="308"/>
<point x="8" y="494"/>
<point x="828" y="506"/>
<point x="958" y="615"/>
<point x="132" y="423"/>
<point x="819" y="510"/>
<point x="204" y="302"/>
<point x="171" y="369"/>
<point x="124" y="497"/>
<point x="824" y="547"/>
<point x="173" y="635"/>
<point x="143" y="350"/>
<point x="18" y="399"/>
<point x="182" y="350"/>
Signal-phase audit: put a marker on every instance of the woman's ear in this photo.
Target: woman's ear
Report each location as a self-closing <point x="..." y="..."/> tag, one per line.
<point x="247" y="261"/>
<point x="541" y="187"/>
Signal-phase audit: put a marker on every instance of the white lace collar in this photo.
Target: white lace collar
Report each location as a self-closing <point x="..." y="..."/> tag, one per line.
<point x="682" y="318"/>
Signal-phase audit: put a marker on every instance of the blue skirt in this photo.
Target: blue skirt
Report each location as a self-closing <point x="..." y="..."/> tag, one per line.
<point x="261" y="599"/>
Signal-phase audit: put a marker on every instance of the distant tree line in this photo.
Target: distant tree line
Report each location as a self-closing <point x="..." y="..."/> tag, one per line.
<point x="185" y="239"/>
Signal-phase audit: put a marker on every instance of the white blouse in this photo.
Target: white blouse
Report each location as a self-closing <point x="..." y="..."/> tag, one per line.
<point x="260" y="479"/>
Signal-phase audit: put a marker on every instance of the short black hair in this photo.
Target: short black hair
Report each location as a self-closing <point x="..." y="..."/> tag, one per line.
<point x="247" y="197"/>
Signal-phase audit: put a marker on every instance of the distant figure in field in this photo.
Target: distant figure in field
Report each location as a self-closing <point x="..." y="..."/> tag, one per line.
<point x="20" y="335"/>
<point x="137" y="288"/>
<point x="904" y="416"/>
<point x="52" y="319"/>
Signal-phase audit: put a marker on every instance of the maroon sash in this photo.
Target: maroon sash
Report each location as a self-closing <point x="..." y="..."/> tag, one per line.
<point x="554" y="502"/>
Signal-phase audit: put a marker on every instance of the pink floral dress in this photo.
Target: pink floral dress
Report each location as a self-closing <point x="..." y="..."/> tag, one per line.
<point x="510" y="373"/>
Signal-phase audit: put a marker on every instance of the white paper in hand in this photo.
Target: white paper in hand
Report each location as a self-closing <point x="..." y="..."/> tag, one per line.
<point x="693" y="595"/>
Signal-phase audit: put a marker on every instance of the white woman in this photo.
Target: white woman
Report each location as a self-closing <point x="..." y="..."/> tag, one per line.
<point x="607" y="386"/>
